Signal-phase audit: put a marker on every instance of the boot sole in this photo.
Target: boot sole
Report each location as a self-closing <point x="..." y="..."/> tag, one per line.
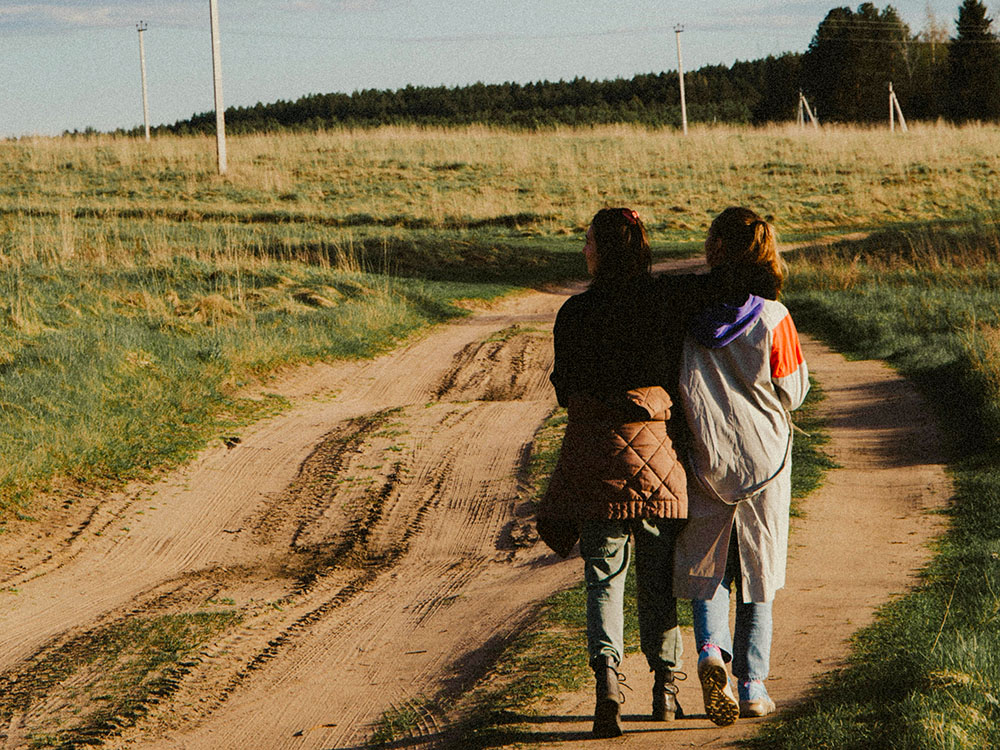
<point x="721" y="708"/>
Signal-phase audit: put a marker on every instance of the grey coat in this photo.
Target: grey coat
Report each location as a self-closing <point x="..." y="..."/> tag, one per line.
<point x="751" y="383"/>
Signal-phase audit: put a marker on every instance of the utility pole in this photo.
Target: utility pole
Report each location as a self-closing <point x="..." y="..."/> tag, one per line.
<point x="141" y="27"/>
<point x="220" y="114"/>
<point x="680" y="77"/>
<point x="805" y="110"/>
<point x="895" y="109"/>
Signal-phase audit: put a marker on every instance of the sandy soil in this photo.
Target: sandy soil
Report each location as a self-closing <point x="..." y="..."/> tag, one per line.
<point x="377" y="543"/>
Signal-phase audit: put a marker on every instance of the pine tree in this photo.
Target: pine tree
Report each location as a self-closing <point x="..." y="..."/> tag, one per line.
<point x="852" y="59"/>
<point x="974" y="66"/>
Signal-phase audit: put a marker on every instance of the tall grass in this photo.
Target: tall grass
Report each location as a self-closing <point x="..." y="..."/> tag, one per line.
<point x="478" y="180"/>
<point x="109" y="374"/>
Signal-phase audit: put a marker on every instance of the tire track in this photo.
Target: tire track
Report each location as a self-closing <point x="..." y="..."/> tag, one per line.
<point x="362" y="540"/>
<point x="466" y="491"/>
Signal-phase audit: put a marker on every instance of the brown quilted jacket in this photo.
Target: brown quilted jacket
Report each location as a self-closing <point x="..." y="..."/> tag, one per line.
<point x="616" y="467"/>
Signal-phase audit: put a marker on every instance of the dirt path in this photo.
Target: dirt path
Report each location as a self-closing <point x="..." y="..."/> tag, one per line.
<point x="375" y="543"/>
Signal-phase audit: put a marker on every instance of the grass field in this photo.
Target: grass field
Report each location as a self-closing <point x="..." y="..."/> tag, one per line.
<point x="141" y="291"/>
<point x="145" y="298"/>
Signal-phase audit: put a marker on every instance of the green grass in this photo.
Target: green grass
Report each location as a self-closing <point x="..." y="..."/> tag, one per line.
<point x="926" y="673"/>
<point x="395" y="724"/>
<point x="107" y="375"/>
<point x="87" y="689"/>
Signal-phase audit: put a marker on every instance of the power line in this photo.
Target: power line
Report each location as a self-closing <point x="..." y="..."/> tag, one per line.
<point x="455" y="38"/>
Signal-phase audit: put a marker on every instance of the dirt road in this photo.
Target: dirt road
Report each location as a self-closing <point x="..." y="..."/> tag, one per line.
<point x="374" y="542"/>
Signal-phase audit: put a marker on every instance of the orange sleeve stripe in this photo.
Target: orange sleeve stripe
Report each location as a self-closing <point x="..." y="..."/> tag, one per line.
<point x="786" y="352"/>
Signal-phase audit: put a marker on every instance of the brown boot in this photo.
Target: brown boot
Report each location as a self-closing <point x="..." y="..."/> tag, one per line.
<point x="608" y="709"/>
<point x="665" y="704"/>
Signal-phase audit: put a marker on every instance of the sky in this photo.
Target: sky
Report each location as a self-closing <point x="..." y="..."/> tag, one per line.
<point x="70" y="64"/>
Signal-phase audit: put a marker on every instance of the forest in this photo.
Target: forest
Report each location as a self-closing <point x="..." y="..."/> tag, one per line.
<point x="844" y="74"/>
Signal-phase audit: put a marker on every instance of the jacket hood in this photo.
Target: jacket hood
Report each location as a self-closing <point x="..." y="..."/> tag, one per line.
<point x="722" y="322"/>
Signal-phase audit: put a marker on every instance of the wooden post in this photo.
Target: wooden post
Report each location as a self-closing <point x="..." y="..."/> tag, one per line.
<point x="892" y="111"/>
<point x="899" y="112"/>
<point x="680" y="77"/>
<point x="804" y="105"/>
<point x="220" y="112"/>
<point x="141" y="27"/>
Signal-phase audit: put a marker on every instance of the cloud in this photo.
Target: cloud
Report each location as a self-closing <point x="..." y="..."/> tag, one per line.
<point x="63" y="15"/>
<point x="339" y="6"/>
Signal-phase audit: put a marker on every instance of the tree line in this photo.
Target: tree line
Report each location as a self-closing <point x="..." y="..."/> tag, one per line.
<point x="845" y="73"/>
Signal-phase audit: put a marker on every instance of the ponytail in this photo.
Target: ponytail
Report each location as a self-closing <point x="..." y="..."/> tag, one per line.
<point x="748" y="260"/>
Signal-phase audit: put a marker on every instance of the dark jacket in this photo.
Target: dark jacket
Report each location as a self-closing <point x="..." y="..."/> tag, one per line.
<point x="617" y="355"/>
<point x="613" y="338"/>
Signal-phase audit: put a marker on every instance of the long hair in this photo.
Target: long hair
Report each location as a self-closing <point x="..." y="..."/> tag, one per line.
<point x="621" y="244"/>
<point x="747" y="260"/>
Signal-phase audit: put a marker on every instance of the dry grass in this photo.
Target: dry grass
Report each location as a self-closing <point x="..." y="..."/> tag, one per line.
<point x="112" y="200"/>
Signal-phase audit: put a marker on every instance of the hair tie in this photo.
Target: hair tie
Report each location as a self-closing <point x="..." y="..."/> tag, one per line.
<point x="630" y="216"/>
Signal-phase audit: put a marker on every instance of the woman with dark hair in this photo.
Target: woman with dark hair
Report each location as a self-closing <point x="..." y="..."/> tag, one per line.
<point x="742" y="372"/>
<point x="617" y="352"/>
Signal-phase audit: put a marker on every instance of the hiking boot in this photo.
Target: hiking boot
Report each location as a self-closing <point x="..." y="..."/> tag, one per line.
<point x="754" y="700"/>
<point x="608" y="709"/>
<point x="720" y="704"/>
<point x="665" y="704"/>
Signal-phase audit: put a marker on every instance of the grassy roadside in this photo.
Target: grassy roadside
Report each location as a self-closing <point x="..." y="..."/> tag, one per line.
<point x="925" y="674"/>
<point x="107" y="375"/>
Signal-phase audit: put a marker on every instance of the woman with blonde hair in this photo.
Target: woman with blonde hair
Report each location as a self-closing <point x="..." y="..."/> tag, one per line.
<point x="742" y="372"/>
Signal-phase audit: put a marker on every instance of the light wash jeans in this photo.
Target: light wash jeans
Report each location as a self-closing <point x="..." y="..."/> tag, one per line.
<point x="750" y="652"/>
<point x="604" y="546"/>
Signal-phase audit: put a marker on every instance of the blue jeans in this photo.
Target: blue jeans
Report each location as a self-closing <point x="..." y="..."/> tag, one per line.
<point x="604" y="546"/>
<point x="750" y="651"/>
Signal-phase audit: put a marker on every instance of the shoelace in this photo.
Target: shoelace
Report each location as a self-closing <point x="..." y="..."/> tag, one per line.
<point x="669" y="687"/>
<point x="621" y="684"/>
